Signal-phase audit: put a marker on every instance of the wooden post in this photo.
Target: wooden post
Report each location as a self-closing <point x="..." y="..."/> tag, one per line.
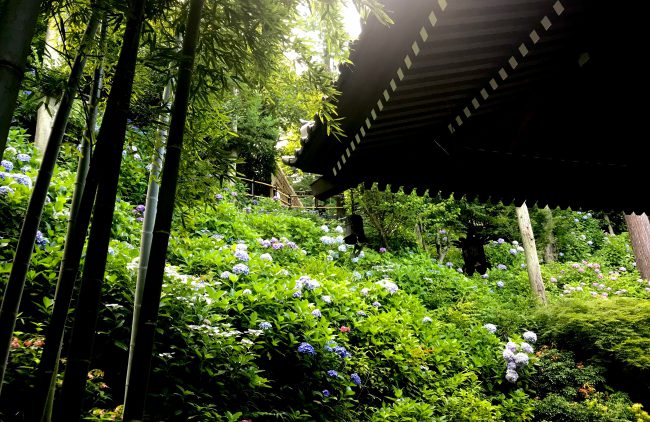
<point x="639" y="228"/>
<point x="532" y="263"/>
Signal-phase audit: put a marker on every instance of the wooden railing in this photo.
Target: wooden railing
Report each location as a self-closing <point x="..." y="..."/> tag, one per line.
<point x="290" y="200"/>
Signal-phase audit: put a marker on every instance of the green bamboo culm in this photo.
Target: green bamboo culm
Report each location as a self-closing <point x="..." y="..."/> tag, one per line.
<point x="48" y="366"/>
<point x="111" y="139"/>
<point x="17" y="25"/>
<point x="138" y="381"/>
<point x="23" y="255"/>
<point x="151" y="205"/>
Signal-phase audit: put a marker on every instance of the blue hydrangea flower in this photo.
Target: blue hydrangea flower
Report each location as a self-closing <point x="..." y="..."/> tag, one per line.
<point x="297" y="294"/>
<point x="491" y="328"/>
<point x="312" y="284"/>
<point x="326" y="393"/>
<point x="317" y="313"/>
<point x="306" y="348"/>
<point x="240" y="269"/>
<point x="40" y="240"/>
<point x="265" y="325"/>
<point x="512" y="376"/>
<point x="22" y="179"/>
<point x="241" y="255"/>
<point x="512" y="346"/>
<point x="332" y="373"/>
<point x="4" y="190"/>
<point x="355" y="379"/>
<point x="219" y="197"/>
<point x="361" y="313"/>
<point x="325" y="228"/>
<point x="513" y="251"/>
<point x="292" y="245"/>
<point x="521" y="359"/>
<point x="500" y="284"/>
<point x="343" y="248"/>
<point x="449" y="264"/>
<point x="23" y="157"/>
<point x="527" y="348"/>
<point x="376" y="304"/>
<point x="508" y="355"/>
<point x="329" y="346"/>
<point x="225" y="274"/>
<point x="341" y="351"/>
<point x="530" y="337"/>
<point x="501" y="267"/>
<point x="8" y="165"/>
<point x="486" y="275"/>
<point x="426" y="319"/>
<point x="511" y="366"/>
<point x="500" y="241"/>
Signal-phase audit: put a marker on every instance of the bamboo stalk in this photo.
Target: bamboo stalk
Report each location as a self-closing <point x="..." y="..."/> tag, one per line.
<point x="139" y="377"/>
<point x="151" y="206"/>
<point x="111" y="141"/>
<point x="17" y="25"/>
<point x="45" y="365"/>
<point x="22" y="258"/>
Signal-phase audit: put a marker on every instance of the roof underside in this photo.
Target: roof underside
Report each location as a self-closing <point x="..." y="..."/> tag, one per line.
<point x="508" y="100"/>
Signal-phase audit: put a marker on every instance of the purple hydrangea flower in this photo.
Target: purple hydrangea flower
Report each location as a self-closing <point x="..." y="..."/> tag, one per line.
<point x="511" y="366"/>
<point x="332" y="373"/>
<point x="361" y="313"/>
<point x="491" y="328"/>
<point x="500" y="284"/>
<point x="500" y="241"/>
<point x="23" y="157"/>
<point x="486" y="275"/>
<point x="527" y="348"/>
<point x="326" y="393"/>
<point x="317" y="313"/>
<point x="297" y="294"/>
<point x="382" y="250"/>
<point x="265" y="325"/>
<point x="512" y="346"/>
<point x="219" y="197"/>
<point x="22" y="180"/>
<point x="501" y="267"/>
<point x="306" y="348"/>
<point x="41" y="240"/>
<point x="530" y="337"/>
<point x="140" y="219"/>
<point x="376" y="304"/>
<point x="521" y="359"/>
<point x="355" y="379"/>
<point x="292" y="245"/>
<point x="240" y="269"/>
<point x="140" y="208"/>
<point x="225" y="274"/>
<point x="4" y="190"/>
<point x="8" y="165"/>
<point x="241" y="255"/>
<point x="278" y="246"/>
<point x="512" y="376"/>
<point x="508" y="355"/>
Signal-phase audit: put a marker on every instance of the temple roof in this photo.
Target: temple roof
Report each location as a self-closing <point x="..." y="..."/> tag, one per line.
<point x="508" y="100"/>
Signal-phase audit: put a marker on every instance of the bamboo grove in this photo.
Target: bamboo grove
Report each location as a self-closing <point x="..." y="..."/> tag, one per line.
<point x="199" y="51"/>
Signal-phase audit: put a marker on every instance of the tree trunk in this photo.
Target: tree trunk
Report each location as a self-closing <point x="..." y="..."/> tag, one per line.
<point x="532" y="263"/>
<point x="151" y="207"/>
<point x="139" y="377"/>
<point x="639" y="229"/>
<point x="609" y="225"/>
<point x="47" y="110"/>
<point x="16" y="283"/>
<point x="45" y="368"/>
<point x="106" y="159"/>
<point x="17" y="24"/>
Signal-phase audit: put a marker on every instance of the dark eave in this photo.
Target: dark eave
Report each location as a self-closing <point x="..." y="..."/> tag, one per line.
<point x="507" y="100"/>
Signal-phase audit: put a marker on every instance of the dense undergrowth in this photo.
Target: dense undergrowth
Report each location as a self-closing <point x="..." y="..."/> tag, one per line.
<point x="266" y="315"/>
